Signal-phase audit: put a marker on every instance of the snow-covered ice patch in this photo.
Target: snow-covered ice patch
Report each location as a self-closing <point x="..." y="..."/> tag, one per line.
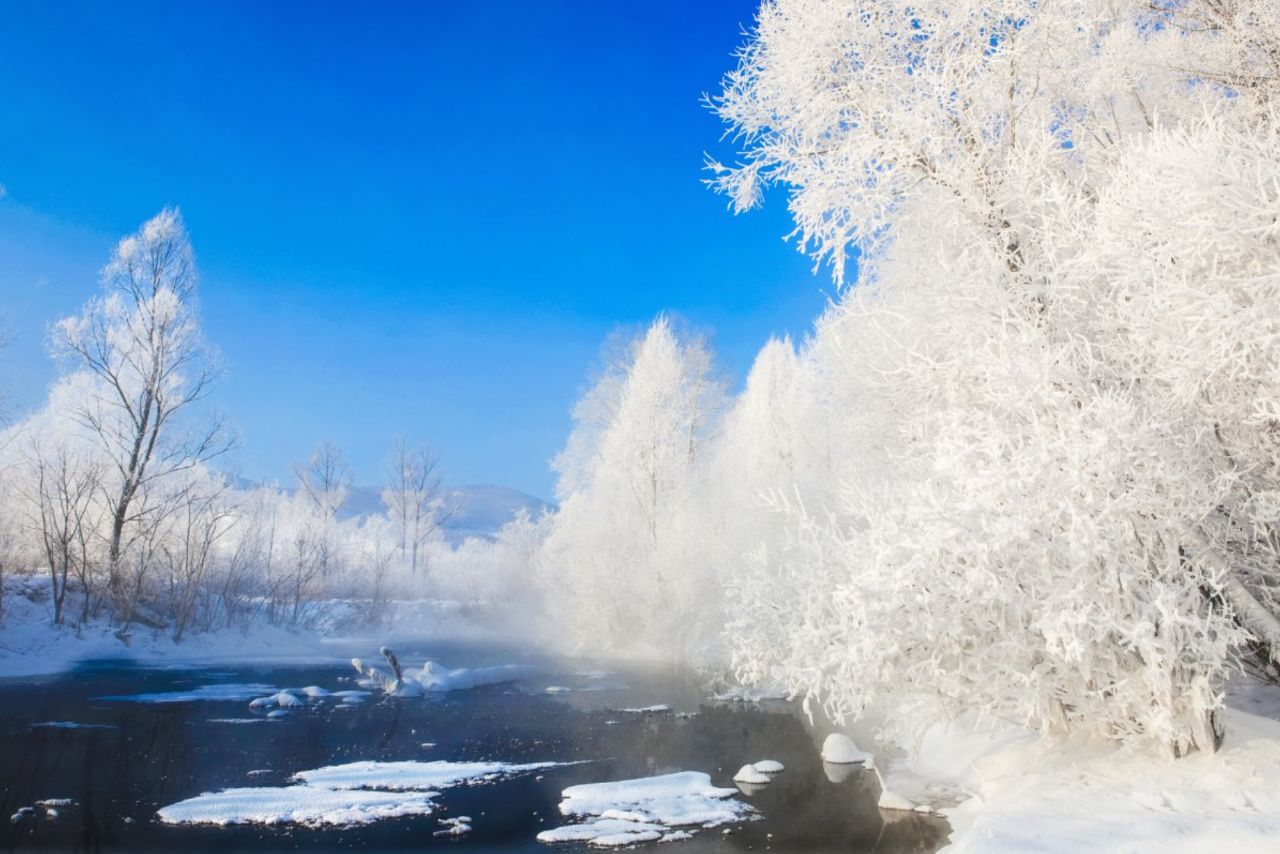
<point x="308" y="805"/>
<point x="454" y="826"/>
<point x="434" y="676"/>
<point x="234" y="720"/>
<point x="648" y="809"/>
<point x="339" y="795"/>
<point x="743" y="694"/>
<point x="646" y="710"/>
<point x="769" y="766"/>
<point x="839" y="749"/>
<point x="70" y="725"/>
<point x="412" y="776"/>
<point x="225" y="691"/>
<point x="280" y="700"/>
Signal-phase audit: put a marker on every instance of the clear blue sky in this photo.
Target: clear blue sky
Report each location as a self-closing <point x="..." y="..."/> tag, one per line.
<point x="416" y="219"/>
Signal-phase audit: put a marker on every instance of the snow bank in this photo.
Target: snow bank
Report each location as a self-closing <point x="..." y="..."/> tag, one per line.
<point x="1032" y="794"/>
<point x="340" y="795"/>
<point x="648" y="809"/>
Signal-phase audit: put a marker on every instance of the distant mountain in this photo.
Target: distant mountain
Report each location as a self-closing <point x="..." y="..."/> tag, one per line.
<point x="478" y="510"/>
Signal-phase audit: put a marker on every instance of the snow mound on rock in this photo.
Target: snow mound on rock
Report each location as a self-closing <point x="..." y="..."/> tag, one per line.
<point x="751" y="774"/>
<point x="839" y="749"/>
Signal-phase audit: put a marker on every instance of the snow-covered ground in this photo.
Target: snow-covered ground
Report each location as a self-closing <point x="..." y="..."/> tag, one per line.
<point x="1018" y="792"/>
<point x="31" y="645"/>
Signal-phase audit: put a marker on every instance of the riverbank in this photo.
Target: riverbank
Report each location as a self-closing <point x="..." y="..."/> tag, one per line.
<point x="31" y="645"/>
<point x="1020" y="792"/>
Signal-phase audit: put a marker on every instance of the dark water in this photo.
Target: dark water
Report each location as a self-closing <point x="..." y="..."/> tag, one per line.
<point x="151" y="755"/>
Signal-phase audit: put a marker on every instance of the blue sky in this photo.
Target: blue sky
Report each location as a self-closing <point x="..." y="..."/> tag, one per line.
<point x="415" y="220"/>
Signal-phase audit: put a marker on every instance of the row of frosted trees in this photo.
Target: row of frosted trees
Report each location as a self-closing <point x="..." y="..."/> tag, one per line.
<point x="1028" y="464"/>
<point x="114" y="491"/>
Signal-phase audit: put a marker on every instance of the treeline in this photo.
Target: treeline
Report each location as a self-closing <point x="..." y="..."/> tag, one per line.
<point x="1029" y="465"/>
<point x="114" y="490"/>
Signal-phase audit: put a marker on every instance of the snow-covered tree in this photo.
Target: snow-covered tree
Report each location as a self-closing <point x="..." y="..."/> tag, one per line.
<point x="414" y="499"/>
<point x="1049" y="396"/>
<point x="140" y="343"/>
<point x="622" y="558"/>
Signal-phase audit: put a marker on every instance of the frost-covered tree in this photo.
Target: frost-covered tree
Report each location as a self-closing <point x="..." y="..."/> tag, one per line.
<point x="414" y="499"/>
<point x="622" y="557"/>
<point x="140" y="342"/>
<point x="1049" y="395"/>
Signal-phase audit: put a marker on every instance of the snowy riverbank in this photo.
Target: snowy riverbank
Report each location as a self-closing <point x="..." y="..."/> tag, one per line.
<point x="30" y="645"/>
<point x="1021" y="793"/>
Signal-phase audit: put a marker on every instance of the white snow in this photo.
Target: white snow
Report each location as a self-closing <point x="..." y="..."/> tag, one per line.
<point x="235" y="720"/>
<point x="891" y="800"/>
<point x="770" y="766"/>
<point x="646" y="710"/>
<point x="309" y="805"/>
<point x="339" y="795"/>
<point x="454" y="826"/>
<point x="435" y="677"/>
<point x="744" y="694"/>
<point x="625" y="812"/>
<point x="410" y="775"/>
<point x="751" y="774"/>
<point x="1034" y="794"/>
<point x="281" y="699"/>
<point x="839" y="749"/>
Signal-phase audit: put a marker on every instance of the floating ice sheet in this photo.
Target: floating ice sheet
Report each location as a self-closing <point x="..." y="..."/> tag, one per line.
<point x="339" y="795"/>
<point x="648" y="809"/>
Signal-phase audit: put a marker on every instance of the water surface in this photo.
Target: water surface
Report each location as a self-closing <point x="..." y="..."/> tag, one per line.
<point x="137" y="757"/>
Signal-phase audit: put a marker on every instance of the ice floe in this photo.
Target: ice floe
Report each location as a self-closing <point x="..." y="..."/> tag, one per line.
<point x="743" y="694"/>
<point x="308" y="805"/>
<point x="646" y="710"/>
<point x="410" y="775"/>
<point x="648" y="809"/>
<point x="70" y="725"/>
<point x="339" y="795"/>
<point x="454" y="826"/>
<point x="770" y="766"/>
<point x="235" y="720"/>
<point x="281" y="700"/>
<point x="434" y="676"/>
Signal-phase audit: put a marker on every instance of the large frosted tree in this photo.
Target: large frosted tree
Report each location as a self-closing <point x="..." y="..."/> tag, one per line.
<point x="1052" y="389"/>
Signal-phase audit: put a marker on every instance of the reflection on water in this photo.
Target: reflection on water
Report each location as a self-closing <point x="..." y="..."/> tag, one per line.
<point x="138" y="757"/>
